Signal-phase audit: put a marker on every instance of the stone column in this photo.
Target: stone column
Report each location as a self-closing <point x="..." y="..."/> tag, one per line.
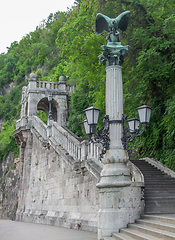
<point x="32" y="108"/>
<point x="62" y="115"/>
<point x="115" y="176"/>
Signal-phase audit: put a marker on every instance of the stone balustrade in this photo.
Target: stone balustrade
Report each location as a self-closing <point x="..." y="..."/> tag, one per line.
<point x="40" y="126"/>
<point x="66" y="141"/>
<point x="59" y="86"/>
<point x="76" y="147"/>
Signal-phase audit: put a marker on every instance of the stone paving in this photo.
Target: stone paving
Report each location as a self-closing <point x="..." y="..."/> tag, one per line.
<point x="12" y="230"/>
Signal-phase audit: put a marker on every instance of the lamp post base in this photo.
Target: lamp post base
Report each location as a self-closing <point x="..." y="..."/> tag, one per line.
<point x="118" y="207"/>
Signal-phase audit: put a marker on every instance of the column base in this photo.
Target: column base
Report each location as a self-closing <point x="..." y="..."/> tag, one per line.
<point x="114" y="175"/>
<point x="118" y="207"/>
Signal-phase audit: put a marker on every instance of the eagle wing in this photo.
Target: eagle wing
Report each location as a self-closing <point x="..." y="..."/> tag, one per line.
<point x="101" y="23"/>
<point x="123" y="19"/>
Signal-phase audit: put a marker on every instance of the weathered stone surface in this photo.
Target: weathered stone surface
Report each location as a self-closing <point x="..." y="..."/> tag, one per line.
<point x="9" y="184"/>
<point x="52" y="193"/>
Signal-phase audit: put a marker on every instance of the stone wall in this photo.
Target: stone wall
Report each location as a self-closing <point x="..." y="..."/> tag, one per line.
<point x="9" y="185"/>
<point x="52" y="192"/>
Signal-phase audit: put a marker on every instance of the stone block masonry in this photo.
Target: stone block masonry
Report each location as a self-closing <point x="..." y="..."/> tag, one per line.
<point x="54" y="194"/>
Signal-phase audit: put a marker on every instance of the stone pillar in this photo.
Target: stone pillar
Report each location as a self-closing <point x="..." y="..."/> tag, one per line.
<point x="62" y="114"/>
<point x="23" y="102"/>
<point x="32" y="97"/>
<point x="32" y="81"/>
<point x="115" y="176"/>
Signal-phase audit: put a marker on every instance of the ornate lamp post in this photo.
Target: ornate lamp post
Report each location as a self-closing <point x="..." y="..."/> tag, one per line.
<point x="50" y="106"/>
<point x="119" y="201"/>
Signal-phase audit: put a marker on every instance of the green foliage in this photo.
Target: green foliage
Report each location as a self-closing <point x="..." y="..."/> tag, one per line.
<point x="10" y="103"/>
<point x="7" y="142"/>
<point x="42" y="115"/>
<point x="152" y="80"/>
<point x="65" y="43"/>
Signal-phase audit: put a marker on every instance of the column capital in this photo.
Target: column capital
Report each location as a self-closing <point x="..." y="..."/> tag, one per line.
<point x="113" y="54"/>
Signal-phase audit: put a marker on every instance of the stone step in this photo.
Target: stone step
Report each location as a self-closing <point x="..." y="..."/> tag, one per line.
<point x="154" y="176"/>
<point x="149" y="227"/>
<point x="162" y="200"/>
<point x="161" y="186"/>
<point x="161" y="218"/>
<point x="168" y="208"/>
<point x="151" y="168"/>
<point x="159" y="209"/>
<point x="136" y="235"/>
<point x="121" y="236"/>
<point x="152" y="231"/>
<point x="160" y="182"/>
<point x="154" y="193"/>
<point x="109" y="238"/>
<point x="153" y="171"/>
<point x="158" y="225"/>
<point x="170" y="191"/>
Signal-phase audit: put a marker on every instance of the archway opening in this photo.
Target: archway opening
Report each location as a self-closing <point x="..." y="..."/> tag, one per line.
<point x="43" y="106"/>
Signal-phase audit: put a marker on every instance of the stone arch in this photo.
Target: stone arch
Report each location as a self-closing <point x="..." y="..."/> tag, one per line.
<point x="43" y="105"/>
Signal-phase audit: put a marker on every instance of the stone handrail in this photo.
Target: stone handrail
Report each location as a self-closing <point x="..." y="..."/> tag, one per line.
<point x="66" y="141"/>
<point x="76" y="147"/>
<point x="40" y="126"/>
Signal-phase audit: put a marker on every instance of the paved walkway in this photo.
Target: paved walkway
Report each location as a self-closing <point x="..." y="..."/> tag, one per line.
<point x="12" y="230"/>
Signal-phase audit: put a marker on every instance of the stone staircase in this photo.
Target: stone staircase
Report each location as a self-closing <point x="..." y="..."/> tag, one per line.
<point x="160" y="201"/>
<point x="150" y="227"/>
<point x="159" y="189"/>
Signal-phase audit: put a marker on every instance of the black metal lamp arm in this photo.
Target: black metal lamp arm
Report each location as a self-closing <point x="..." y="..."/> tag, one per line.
<point x="127" y="135"/>
<point x="102" y="136"/>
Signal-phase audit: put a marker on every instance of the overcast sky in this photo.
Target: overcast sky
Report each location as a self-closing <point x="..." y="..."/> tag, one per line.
<point x="20" y="17"/>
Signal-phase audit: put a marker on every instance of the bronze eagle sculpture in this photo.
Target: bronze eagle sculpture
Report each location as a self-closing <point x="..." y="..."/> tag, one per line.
<point x="105" y="23"/>
<point x="114" y="52"/>
<point x="110" y="25"/>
